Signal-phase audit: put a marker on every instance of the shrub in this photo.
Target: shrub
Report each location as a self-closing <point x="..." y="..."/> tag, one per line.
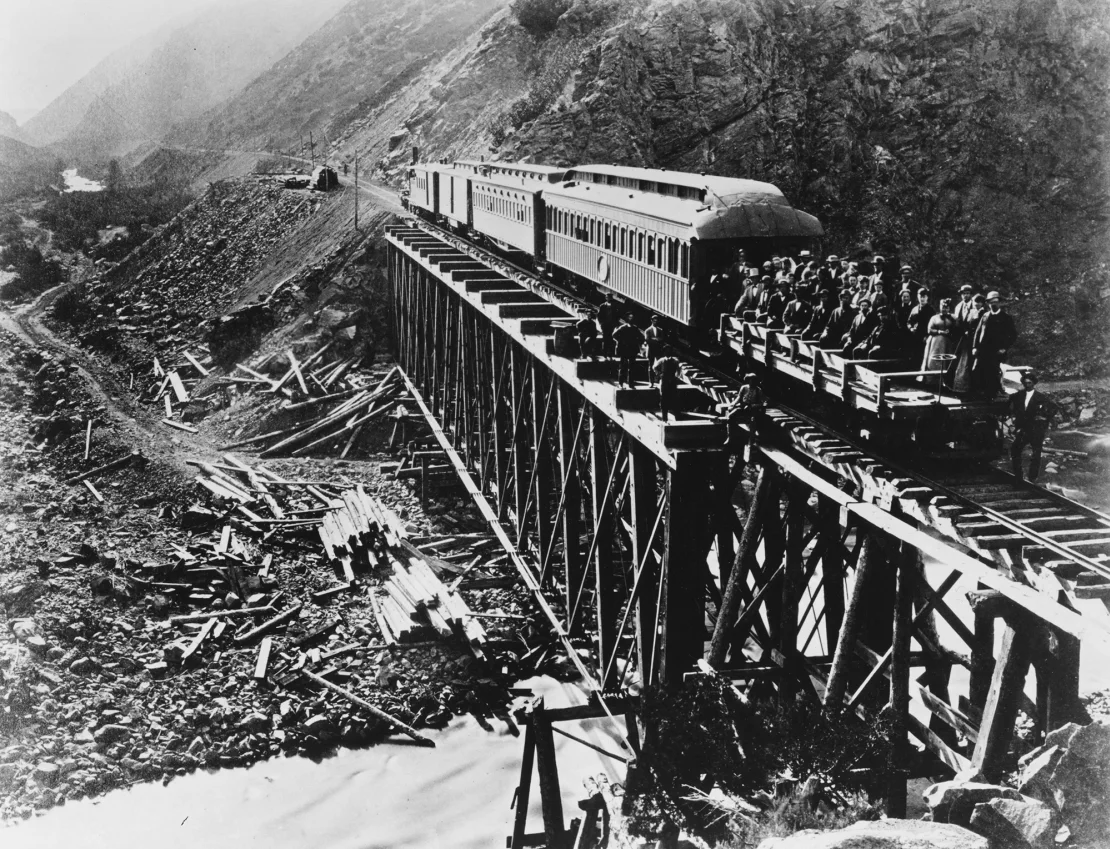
<point x="539" y="17"/>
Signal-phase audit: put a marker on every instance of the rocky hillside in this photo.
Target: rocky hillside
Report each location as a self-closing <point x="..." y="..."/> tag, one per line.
<point x="967" y="135"/>
<point x="199" y="65"/>
<point x="365" y="54"/>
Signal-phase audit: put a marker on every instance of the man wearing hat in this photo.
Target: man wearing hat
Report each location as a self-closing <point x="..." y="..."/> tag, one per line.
<point x="742" y="410"/>
<point x="1032" y="413"/>
<point x="629" y="340"/>
<point x="963" y="310"/>
<point x="907" y="283"/>
<point x="879" y="275"/>
<point x="993" y="336"/>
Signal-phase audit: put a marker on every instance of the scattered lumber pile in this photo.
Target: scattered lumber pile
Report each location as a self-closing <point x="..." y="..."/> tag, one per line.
<point x="174" y="387"/>
<point x="333" y="419"/>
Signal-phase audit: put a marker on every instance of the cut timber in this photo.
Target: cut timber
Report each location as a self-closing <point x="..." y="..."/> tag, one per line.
<point x="365" y="705"/>
<point x="88" y="438"/>
<point x="178" y="388"/>
<point x="199" y="639"/>
<point x="196" y="364"/>
<point x="269" y="625"/>
<point x="92" y="489"/>
<point x="220" y="614"/>
<point x="179" y="426"/>
<point x="107" y="467"/>
<point x="263" y="661"/>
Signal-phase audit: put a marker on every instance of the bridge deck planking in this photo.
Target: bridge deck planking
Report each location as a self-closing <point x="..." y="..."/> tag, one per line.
<point x="646" y="427"/>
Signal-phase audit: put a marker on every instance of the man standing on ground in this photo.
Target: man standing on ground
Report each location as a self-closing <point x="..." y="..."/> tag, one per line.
<point x="1032" y="413"/>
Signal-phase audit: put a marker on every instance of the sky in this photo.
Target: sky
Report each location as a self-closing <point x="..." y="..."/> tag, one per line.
<point x="47" y="45"/>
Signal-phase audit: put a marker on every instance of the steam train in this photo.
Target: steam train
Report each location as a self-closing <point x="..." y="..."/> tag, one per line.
<point x="646" y="235"/>
<point x="651" y="236"/>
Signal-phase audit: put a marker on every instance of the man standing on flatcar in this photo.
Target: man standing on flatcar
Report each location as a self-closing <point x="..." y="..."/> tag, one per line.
<point x="964" y="309"/>
<point x="629" y="340"/>
<point x="1032" y="412"/>
<point x="666" y="369"/>
<point x="607" y="319"/>
<point x="993" y="337"/>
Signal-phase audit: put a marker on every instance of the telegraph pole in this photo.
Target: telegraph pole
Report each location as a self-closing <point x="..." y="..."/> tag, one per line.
<point x="312" y="149"/>
<point x="356" y="189"/>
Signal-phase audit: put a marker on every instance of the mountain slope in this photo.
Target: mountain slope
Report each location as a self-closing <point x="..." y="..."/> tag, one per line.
<point x="969" y="137"/>
<point x="198" y="66"/>
<point x="367" y="50"/>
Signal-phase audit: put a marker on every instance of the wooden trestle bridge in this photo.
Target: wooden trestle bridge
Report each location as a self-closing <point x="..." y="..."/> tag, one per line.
<point x="834" y="574"/>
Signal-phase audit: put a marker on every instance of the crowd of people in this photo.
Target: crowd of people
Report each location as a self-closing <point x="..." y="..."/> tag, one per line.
<point x="868" y="311"/>
<point x="863" y="309"/>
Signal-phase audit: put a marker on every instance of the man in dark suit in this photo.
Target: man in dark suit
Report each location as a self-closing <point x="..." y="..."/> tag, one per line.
<point x="992" y="338"/>
<point x="1032" y="413"/>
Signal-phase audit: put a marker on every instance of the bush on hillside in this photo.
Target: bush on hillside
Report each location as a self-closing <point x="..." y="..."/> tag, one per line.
<point x="539" y="17"/>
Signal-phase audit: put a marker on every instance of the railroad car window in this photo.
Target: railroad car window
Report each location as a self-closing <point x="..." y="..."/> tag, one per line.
<point x="672" y="256"/>
<point x="684" y="259"/>
<point x="624" y="240"/>
<point x="651" y="250"/>
<point x="608" y="238"/>
<point x="593" y="231"/>
<point x="640" y="251"/>
<point x="647" y="186"/>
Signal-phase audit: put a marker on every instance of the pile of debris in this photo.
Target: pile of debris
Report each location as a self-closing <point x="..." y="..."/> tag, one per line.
<point x="331" y="415"/>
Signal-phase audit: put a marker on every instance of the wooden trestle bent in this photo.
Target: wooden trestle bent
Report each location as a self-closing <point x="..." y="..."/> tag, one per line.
<point x="637" y="538"/>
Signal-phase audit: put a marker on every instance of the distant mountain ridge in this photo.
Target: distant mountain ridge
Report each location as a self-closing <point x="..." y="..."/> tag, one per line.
<point x="370" y="48"/>
<point x="139" y="94"/>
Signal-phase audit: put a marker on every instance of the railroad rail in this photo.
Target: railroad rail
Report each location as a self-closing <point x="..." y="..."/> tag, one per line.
<point x="625" y="528"/>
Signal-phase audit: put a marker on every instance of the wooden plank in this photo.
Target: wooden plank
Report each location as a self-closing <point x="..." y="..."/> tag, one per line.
<point x="179" y="426"/>
<point x="297" y="372"/>
<point x="196" y="364"/>
<point x="262" y="663"/>
<point x="178" y="388"/>
<point x="88" y="438"/>
<point x="280" y="619"/>
<point x="365" y="705"/>
<point x="198" y="640"/>
<point x="89" y="486"/>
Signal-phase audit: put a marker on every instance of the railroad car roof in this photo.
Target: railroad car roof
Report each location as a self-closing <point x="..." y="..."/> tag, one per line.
<point x="544" y="173"/>
<point x="734" y="215"/>
<point x="731" y="190"/>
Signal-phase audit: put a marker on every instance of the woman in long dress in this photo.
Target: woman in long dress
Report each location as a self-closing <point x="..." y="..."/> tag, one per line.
<point x="940" y="340"/>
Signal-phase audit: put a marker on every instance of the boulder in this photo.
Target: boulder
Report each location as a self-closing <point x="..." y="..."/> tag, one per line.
<point x="84" y="666"/>
<point x="953" y="801"/>
<point x="1081" y="784"/>
<point x="883" y="834"/>
<point x="106" y="735"/>
<point x="1035" y="778"/>
<point x="1016" y="824"/>
<point x="1062" y="736"/>
<point x="46" y="773"/>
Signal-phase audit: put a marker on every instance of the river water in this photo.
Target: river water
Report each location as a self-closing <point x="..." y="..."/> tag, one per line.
<point x="395" y="795"/>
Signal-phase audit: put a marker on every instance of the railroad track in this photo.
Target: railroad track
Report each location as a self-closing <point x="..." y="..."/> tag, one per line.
<point x="1038" y="536"/>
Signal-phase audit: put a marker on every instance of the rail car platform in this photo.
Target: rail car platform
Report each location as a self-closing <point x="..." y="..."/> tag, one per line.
<point x="884" y="387"/>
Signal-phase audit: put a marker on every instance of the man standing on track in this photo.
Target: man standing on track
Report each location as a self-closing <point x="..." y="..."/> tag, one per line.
<point x="993" y="336"/>
<point x="654" y="337"/>
<point x="1032" y="413"/>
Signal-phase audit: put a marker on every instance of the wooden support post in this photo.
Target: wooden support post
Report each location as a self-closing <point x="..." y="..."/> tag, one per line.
<point x="724" y="513"/>
<point x="832" y="567"/>
<point x="1060" y="672"/>
<point x="642" y="493"/>
<point x="901" y="629"/>
<point x="550" y="795"/>
<point x="845" y="644"/>
<point x="524" y="788"/>
<point x="793" y="582"/>
<point x="997" y="726"/>
<point x="982" y="655"/>
<point x="738" y="576"/>
<point x="605" y="602"/>
<point x="543" y="413"/>
<point x="683" y="616"/>
<point x="572" y="500"/>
